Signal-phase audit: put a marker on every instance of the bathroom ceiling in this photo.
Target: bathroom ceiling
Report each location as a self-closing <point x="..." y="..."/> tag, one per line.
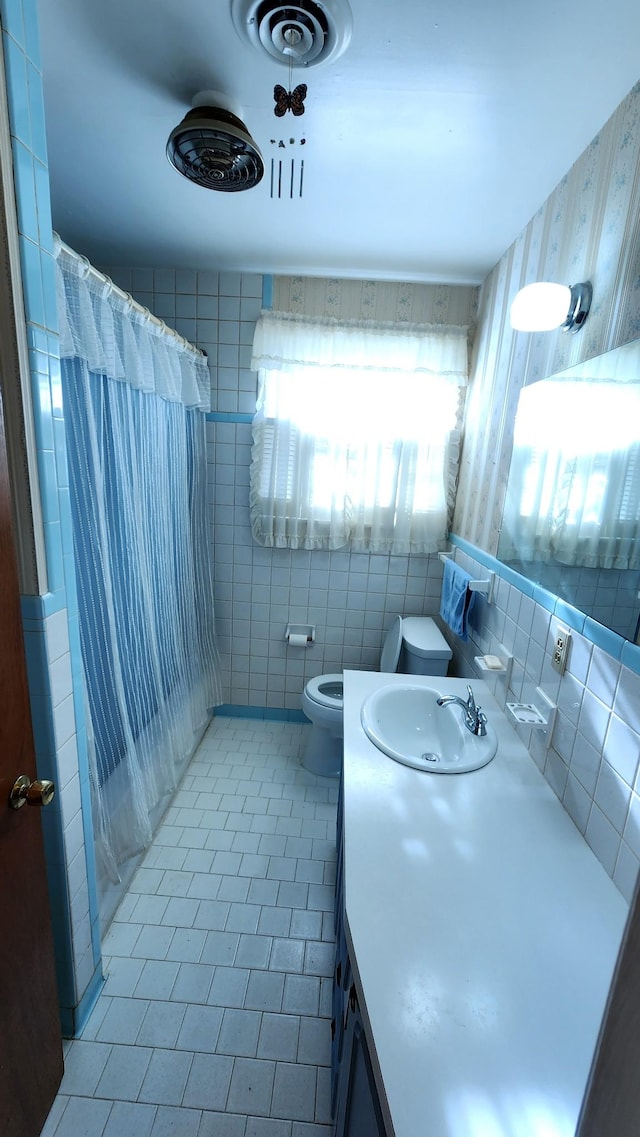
<point x="429" y="143"/>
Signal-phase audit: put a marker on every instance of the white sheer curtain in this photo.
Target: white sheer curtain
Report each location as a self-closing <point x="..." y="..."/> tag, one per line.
<point x="356" y="435"/>
<point x="574" y="484"/>
<point x="133" y="398"/>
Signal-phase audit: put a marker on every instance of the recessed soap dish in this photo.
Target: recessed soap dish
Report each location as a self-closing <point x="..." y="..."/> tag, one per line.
<point x="527" y="714"/>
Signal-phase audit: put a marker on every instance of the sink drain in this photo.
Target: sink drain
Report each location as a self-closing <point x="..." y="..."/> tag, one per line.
<point x="430" y="757"/>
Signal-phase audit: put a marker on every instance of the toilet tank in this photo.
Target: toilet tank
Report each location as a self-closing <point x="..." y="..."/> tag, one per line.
<point x="424" y="649"/>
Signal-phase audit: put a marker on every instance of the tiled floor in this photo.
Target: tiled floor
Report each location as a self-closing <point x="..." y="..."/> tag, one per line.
<point x="214" y="1020"/>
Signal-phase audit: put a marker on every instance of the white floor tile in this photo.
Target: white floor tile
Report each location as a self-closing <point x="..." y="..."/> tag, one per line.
<point x="314" y="1042"/>
<point x="301" y="995"/>
<point x="251" y="1086"/>
<point x="254" y="951"/>
<point x="220" y="948"/>
<point x="208" y="1083"/>
<point x="157" y="979"/>
<point x="294" y="1091"/>
<point x="200" y="1029"/>
<point x="243" y="918"/>
<point x="84" y="1116"/>
<point x="267" y="1127"/>
<point x="222" y="1125"/>
<point x="161" y="1024"/>
<point x="229" y="987"/>
<point x="187" y="945"/>
<point x="84" y="1066"/>
<point x="124" y="1072"/>
<point x="193" y="983"/>
<point x="279" y="1037"/>
<point x="287" y="955"/>
<point x="166" y="1077"/>
<point x="239" y="1033"/>
<point x="122" y="1021"/>
<point x="175" y="1122"/>
<point x="219" y="959"/>
<point x="122" y="976"/>
<point x="129" y="1119"/>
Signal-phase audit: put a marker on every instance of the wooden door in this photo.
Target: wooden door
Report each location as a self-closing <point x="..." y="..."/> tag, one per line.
<point x="30" y="1042"/>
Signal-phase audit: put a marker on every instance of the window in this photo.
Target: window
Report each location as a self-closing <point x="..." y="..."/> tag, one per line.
<point x="356" y="435"/>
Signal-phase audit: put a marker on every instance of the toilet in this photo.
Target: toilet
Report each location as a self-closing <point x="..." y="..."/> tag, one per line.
<point x="412" y="646"/>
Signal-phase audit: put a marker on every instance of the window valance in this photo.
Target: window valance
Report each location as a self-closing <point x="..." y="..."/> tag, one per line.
<point x="284" y="342"/>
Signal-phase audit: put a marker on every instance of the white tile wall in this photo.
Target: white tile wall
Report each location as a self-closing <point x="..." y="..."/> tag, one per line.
<point x="593" y="763"/>
<point x="349" y="598"/>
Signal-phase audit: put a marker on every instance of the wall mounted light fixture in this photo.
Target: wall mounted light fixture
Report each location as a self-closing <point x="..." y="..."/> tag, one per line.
<point x="543" y="306"/>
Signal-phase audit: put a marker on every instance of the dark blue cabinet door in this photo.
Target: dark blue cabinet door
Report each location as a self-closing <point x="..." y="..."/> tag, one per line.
<point x="358" y="1111"/>
<point x="355" y="1104"/>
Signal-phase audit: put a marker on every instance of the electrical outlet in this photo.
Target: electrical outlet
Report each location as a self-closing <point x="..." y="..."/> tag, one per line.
<point x="560" y="650"/>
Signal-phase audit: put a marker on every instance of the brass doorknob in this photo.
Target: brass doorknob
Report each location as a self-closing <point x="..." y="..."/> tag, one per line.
<point x="33" y="793"/>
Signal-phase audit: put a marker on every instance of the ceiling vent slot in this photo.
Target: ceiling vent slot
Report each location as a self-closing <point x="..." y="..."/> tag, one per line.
<point x="300" y="34"/>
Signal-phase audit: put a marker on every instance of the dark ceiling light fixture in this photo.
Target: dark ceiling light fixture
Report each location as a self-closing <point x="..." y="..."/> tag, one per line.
<point x="213" y="148"/>
<point x="542" y="307"/>
<point x="302" y="33"/>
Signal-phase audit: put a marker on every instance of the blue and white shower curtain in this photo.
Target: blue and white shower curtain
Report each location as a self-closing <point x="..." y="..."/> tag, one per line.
<point x="134" y="397"/>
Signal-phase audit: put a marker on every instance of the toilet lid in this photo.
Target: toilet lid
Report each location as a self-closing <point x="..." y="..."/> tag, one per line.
<point x="328" y="690"/>
<point x="423" y="637"/>
<point x="391" y="646"/>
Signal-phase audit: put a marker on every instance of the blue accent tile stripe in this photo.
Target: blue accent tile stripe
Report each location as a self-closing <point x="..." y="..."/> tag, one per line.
<point x="12" y="18"/>
<point x="518" y="581"/>
<point x="267" y="291"/>
<point x="275" y="714"/>
<point x="544" y="598"/>
<point x="603" y="637"/>
<point x="74" y="1019"/>
<point x="631" y="656"/>
<point x="596" y="633"/>
<point x="570" y="615"/>
<point x="229" y="416"/>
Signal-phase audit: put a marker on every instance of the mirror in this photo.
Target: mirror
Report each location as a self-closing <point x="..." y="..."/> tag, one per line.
<point x="571" y="519"/>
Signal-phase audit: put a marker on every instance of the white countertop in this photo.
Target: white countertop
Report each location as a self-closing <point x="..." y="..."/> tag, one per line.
<point x="484" y="932"/>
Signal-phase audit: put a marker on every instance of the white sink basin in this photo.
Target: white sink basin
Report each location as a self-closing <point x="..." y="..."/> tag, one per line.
<point x="407" y="724"/>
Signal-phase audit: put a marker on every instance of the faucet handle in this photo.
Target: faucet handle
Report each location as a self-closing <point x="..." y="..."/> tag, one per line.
<point x="471" y="703"/>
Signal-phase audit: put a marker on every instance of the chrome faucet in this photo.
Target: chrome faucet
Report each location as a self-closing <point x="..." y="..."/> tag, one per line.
<point x="474" y="719"/>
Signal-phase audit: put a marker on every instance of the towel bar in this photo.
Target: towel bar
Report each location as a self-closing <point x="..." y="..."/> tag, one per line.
<point x="484" y="586"/>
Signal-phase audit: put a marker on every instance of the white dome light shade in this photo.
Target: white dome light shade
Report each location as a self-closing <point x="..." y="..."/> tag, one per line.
<point x="543" y="306"/>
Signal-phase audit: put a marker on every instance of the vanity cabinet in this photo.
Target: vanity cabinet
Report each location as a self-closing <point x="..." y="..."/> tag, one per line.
<point x="477" y="934"/>
<point x="358" y="1112"/>
<point x="355" y="1103"/>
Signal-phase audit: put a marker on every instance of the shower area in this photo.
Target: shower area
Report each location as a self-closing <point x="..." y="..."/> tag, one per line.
<point x="135" y="398"/>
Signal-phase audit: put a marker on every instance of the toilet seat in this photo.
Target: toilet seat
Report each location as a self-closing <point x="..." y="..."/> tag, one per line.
<point x="391" y="647"/>
<point x="323" y="704"/>
<point x="327" y="690"/>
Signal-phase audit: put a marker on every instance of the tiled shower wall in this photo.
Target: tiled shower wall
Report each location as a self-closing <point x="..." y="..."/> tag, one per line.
<point x="349" y="598"/>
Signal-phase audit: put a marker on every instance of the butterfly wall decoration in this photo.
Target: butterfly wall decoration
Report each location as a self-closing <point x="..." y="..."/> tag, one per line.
<point x="289" y="100"/>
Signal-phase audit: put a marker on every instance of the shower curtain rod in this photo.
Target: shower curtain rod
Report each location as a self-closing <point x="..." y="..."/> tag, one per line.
<point x="91" y="270"/>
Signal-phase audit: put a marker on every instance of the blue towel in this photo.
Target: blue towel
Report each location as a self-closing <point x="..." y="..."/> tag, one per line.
<point x="457" y="598"/>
